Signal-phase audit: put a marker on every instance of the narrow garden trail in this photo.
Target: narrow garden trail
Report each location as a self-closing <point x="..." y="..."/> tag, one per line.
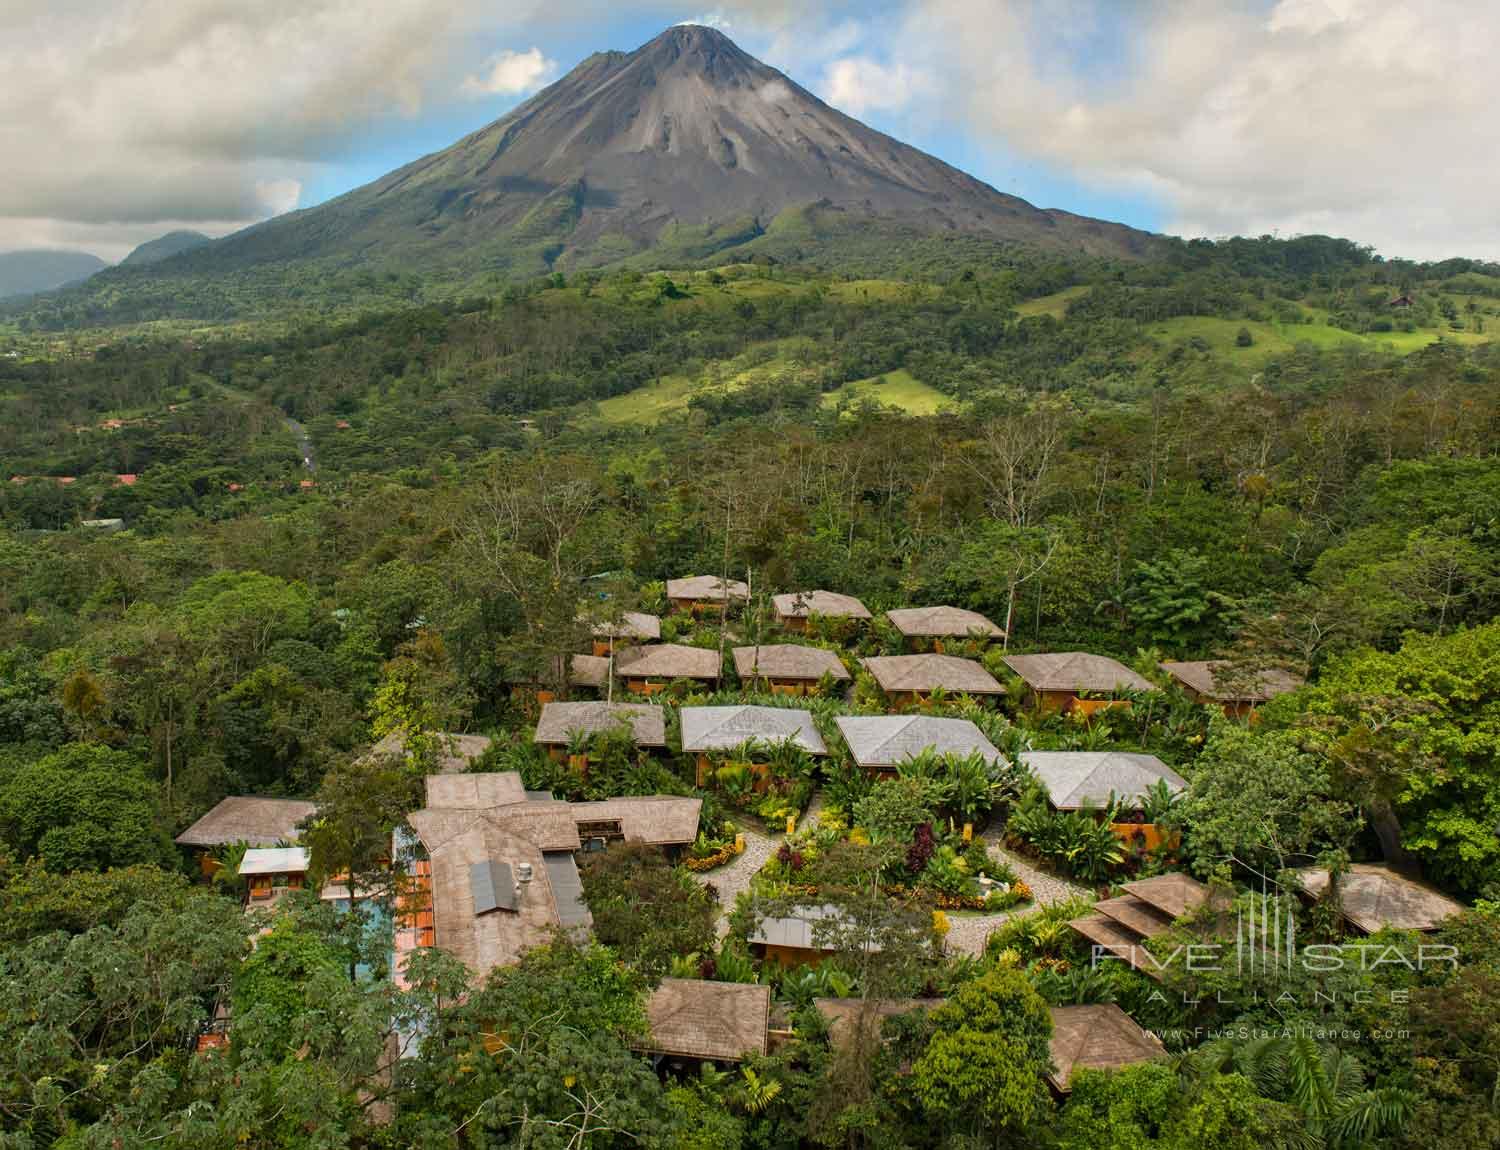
<point x="967" y="933"/>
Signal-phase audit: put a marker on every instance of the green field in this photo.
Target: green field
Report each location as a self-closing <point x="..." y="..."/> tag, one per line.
<point x="1273" y="339"/>
<point x="894" y="389"/>
<point x="649" y="404"/>
<point x="1055" y="305"/>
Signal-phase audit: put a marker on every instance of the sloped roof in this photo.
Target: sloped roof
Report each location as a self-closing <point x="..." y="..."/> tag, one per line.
<point x="1076" y="671"/>
<point x="724" y="728"/>
<point x="885" y="740"/>
<point x="799" y="929"/>
<point x="801" y="604"/>
<point x="274" y="860"/>
<point x="668" y="661"/>
<point x="1203" y="677"/>
<point x="842" y="1014"/>
<point x="1097" y="1037"/>
<point x="588" y="671"/>
<point x="718" y="1020"/>
<point x="1135" y="913"/>
<point x="659" y="820"/>
<point x="1173" y="894"/>
<point x="1375" y="896"/>
<point x="475" y="791"/>
<point x="942" y="622"/>
<point x="897" y="673"/>
<point x="1109" y="935"/>
<point x="706" y="587"/>
<point x="552" y="825"/>
<point x="247" y="819"/>
<point x="454" y="752"/>
<point x="631" y="625"/>
<point x="647" y="721"/>
<point x="787" y="661"/>
<point x="1076" y="778"/>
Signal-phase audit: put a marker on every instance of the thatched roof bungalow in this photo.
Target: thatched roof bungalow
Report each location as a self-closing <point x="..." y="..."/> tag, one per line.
<point x="1373" y="896"/>
<point x="631" y="627"/>
<point x="260" y="822"/>
<point x="648" y="669"/>
<point x="943" y="623"/>
<point x="788" y="668"/>
<point x="700" y="592"/>
<point x="908" y="679"/>
<point x="708" y="1021"/>
<point x="709" y="729"/>
<point x="1237" y="691"/>
<point x="882" y="742"/>
<point x="794" y="608"/>
<point x="1075" y="779"/>
<point x="454" y="752"/>
<point x="558" y="722"/>
<point x="1098" y="1036"/>
<point x="1058" y="680"/>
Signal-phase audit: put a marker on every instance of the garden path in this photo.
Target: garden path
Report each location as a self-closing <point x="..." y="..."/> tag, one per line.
<point x="967" y="934"/>
<point x="733" y="878"/>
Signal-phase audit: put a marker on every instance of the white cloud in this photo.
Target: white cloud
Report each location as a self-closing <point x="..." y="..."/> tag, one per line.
<point x="511" y="74"/>
<point x="1372" y="119"/>
<point x="858" y="84"/>
<point x="714" y="19"/>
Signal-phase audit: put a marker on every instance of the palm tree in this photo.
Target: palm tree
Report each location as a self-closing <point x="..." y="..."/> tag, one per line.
<point x="756" y="1092"/>
<point x="1325" y="1084"/>
<point x="229" y="857"/>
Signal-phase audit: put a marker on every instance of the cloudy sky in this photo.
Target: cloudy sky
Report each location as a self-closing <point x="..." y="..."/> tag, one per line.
<point x="1373" y="119"/>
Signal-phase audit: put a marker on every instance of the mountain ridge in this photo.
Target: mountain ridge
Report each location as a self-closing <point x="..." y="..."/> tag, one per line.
<point x="30" y="271"/>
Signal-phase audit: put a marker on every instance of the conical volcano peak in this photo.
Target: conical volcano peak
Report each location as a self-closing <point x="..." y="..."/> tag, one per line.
<point x="698" y="48"/>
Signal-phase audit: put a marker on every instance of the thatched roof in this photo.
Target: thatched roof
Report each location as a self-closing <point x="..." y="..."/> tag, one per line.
<point x="900" y="673"/>
<point x="631" y="625"/>
<point x="1077" y="778"/>
<point x="553" y="825"/>
<point x="523" y="919"/>
<point x="475" y="791"/>
<point x="1173" y="894"/>
<point x="454" y="752"/>
<point x="707" y="588"/>
<point x="247" y="819"/>
<point x="1136" y="914"/>
<point x="787" y="661"/>
<point x="801" y="604"/>
<point x="558" y="721"/>
<point x="1077" y="671"/>
<point x="668" y="661"/>
<point x="589" y="671"/>
<point x="723" y="1021"/>
<point x="882" y="741"/>
<point x="1097" y="1037"/>
<point x="1109" y="935"/>
<point x="724" y="728"/>
<point x="274" y="860"/>
<point x="1217" y="680"/>
<point x="842" y="1014"/>
<point x="1374" y="896"/>
<point x="658" y="820"/>
<point x="942" y="623"/>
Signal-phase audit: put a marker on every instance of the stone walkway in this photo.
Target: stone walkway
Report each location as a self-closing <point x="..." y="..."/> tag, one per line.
<point x="968" y="933"/>
<point x="733" y="878"/>
<point x="814" y="808"/>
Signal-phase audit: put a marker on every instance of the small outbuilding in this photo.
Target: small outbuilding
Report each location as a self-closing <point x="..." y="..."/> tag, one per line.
<point x="1077" y="680"/>
<point x="795" y="608"/>
<point x="269" y="870"/>
<point x="257" y="822"/>
<point x="910" y="680"/>
<point x="787" y="668"/>
<point x="800" y="939"/>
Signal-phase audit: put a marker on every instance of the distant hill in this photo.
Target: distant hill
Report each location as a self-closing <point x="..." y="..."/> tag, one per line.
<point x="28" y="272"/>
<point x="165" y="247"/>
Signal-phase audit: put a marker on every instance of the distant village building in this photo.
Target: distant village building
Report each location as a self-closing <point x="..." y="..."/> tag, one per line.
<point x="910" y="680"/>
<point x="1237" y="693"/>
<point x="881" y="743"/>
<point x="939" y="623"/>
<point x="1401" y="302"/>
<point x="651" y="668"/>
<point x="795" y="608"/>
<point x="788" y="669"/>
<point x="1077" y="680"/>
<point x="698" y="593"/>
